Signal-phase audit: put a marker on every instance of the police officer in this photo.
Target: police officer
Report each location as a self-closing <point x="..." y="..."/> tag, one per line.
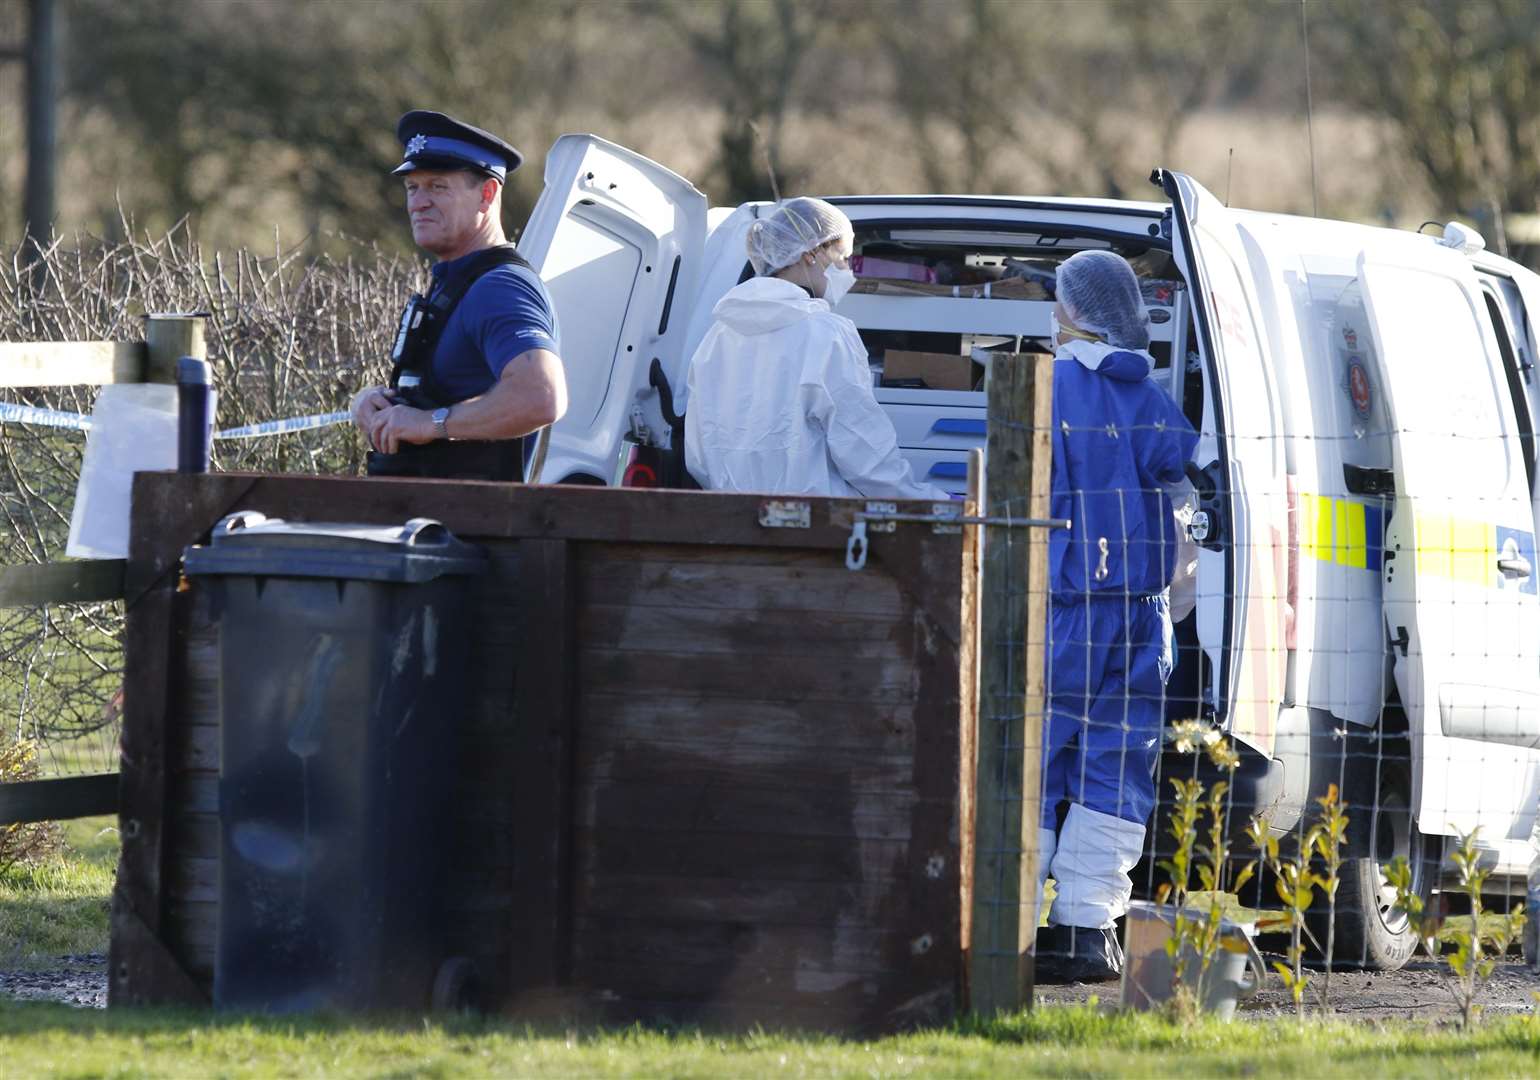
<point x="476" y="364"/>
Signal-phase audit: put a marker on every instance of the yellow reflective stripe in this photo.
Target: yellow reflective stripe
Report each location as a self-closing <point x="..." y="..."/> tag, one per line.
<point x="1323" y="527"/>
<point x="1456" y="549"/>
<point x="1459" y="550"/>
<point x="1352" y="549"/>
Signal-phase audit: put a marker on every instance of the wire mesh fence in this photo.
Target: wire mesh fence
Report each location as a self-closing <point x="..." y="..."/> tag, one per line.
<point x="288" y="335"/>
<point x="1285" y="704"/>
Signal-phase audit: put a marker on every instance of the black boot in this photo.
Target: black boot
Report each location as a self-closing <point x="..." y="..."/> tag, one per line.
<point x="1068" y="954"/>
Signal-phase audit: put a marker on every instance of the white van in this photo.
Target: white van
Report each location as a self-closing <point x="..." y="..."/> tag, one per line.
<point x="1367" y="606"/>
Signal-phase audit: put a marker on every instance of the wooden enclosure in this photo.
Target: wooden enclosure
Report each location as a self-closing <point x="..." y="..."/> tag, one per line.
<point x="710" y="774"/>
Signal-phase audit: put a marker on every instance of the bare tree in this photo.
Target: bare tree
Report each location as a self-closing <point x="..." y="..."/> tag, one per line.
<point x="753" y="52"/>
<point x="1458" y="83"/>
<point x="1069" y="81"/>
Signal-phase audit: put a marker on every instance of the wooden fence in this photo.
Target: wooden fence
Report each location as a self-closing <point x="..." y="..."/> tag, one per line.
<point x="707" y="772"/>
<point x="168" y="338"/>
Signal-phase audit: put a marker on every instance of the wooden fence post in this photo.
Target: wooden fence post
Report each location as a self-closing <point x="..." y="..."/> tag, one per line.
<point x="169" y="338"/>
<point x="1013" y="632"/>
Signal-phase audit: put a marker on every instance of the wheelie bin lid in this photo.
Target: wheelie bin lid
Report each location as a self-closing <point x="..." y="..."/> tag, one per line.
<point x="252" y="544"/>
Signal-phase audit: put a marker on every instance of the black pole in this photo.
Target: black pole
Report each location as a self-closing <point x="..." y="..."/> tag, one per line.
<point x="41" y="128"/>
<point x="194" y="423"/>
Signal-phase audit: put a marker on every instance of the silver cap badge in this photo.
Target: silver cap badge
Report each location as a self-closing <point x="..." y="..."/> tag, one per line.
<point x="417" y="145"/>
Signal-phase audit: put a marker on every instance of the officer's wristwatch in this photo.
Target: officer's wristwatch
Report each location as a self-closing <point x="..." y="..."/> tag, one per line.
<point x="441" y="422"/>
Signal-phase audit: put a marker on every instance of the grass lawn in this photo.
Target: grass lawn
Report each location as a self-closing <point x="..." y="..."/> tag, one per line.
<point x="52" y="1040"/>
<point x="59" y="907"/>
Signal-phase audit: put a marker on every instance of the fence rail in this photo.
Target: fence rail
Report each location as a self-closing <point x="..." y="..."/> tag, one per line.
<point x="168" y="338"/>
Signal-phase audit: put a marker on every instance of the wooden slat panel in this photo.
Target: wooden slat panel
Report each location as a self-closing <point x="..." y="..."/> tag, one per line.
<point x="195" y="792"/>
<point x="759" y="951"/>
<point x="71" y="363"/>
<point x="753" y="963"/>
<point x="817" y="591"/>
<point x="58" y="799"/>
<point x="197" y="836"/>
<point x="61" y="582"/>
<point x="876" y="683"/>
<point x="714" y="766"/>
<point x="743" y="632"/>
<point x="659" y="897"/>
<point x="614" y="715"/>
<point x="542" y="782"/>
<point x="485" y="510"/>
<point x="744" y="856"/>
<point x="197" y="749"/>
<point x="192" y="880"/>
<point x="761" y="805"/>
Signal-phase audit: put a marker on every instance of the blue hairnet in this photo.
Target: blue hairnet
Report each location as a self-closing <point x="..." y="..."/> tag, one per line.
<point x="793" y="228"/>
<point x="1100" y="294"/>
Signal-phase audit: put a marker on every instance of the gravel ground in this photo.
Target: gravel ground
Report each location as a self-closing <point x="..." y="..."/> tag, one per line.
<point x="79" y="980"/>
<point x="1416" y="992"/>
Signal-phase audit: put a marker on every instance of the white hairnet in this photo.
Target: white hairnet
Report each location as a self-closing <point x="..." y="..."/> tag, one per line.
<point x="795" y="226"/>
<point x="1100" y="293"/>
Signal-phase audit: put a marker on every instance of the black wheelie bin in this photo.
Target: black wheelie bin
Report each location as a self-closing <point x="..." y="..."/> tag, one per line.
<point x="344" y="653"/>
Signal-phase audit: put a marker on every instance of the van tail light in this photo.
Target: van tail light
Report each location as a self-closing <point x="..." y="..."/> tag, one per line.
<point x="639" y="475"/>
<point x="639" y="466"/>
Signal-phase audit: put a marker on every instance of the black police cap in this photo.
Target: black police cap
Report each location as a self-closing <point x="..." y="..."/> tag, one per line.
<point x="432" y="140"/>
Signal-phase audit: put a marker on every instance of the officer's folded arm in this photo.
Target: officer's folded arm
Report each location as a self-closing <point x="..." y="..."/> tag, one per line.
<point x="530" y="394"/>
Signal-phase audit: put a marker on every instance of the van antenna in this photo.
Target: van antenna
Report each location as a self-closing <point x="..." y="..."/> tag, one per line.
<point x="1229" y="169"/>
<point x="764" y="152"/>
<point x="1304" y="29"/>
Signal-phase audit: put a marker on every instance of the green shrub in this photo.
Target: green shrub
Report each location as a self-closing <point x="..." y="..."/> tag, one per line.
<point x="24" y="843"/>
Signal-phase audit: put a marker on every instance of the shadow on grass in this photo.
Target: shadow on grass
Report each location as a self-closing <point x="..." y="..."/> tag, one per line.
<point x="1085" y="1026"/>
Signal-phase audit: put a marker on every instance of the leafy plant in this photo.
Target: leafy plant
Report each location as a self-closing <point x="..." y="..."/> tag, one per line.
<point x="1331" y="834"/>
<point x="1475" y="953"/>
<point x="1296" y="882"/>
<point x="23" y="843"/>
<point x="1198" y="932"/>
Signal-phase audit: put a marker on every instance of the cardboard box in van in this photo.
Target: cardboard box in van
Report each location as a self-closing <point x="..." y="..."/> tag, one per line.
<point x="933" y="371"/>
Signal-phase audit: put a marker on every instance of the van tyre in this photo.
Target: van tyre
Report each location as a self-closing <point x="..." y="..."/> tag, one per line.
<point x="1372" y="933"/>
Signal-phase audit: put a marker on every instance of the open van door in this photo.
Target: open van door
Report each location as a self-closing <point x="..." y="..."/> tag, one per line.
<point x="1461" y="606"/>
<point x="1242" y="569"/>
<point x="619" y="242"/>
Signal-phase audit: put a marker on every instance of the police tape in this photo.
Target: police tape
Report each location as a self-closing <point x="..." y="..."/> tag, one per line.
<point x="28" y="414"/>
<point x="283" y="427"/>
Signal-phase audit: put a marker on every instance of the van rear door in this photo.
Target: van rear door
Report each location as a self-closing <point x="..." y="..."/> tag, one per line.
<point x="1242" y="579"/>
<point x="1461" y="604"/>
<point x="619" y="242"/>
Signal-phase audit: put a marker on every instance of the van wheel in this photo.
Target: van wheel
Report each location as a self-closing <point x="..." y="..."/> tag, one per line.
<point x="1372" y="932"/>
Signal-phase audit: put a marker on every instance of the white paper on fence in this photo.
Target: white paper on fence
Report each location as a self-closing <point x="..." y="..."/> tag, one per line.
<point x="133" y="429"/>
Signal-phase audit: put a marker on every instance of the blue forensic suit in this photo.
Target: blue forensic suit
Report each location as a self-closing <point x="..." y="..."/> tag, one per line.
<point x="1119" y="440"/>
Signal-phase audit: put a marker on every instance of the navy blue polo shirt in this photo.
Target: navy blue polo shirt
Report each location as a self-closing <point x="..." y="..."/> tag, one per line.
<point x="505" y="313"/>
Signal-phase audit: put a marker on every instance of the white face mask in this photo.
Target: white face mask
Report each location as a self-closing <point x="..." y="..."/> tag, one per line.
<point x="837" y="281"/>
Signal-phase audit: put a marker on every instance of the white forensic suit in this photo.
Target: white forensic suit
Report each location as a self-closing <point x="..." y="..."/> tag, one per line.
<point x="781" y="402"/>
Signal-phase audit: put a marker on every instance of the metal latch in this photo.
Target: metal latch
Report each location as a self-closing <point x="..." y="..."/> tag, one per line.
<point x="944" y="519"/>
<point x="786" y="514"/>
<point x="855" y="547"/>
<point x="880" y="514"/>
